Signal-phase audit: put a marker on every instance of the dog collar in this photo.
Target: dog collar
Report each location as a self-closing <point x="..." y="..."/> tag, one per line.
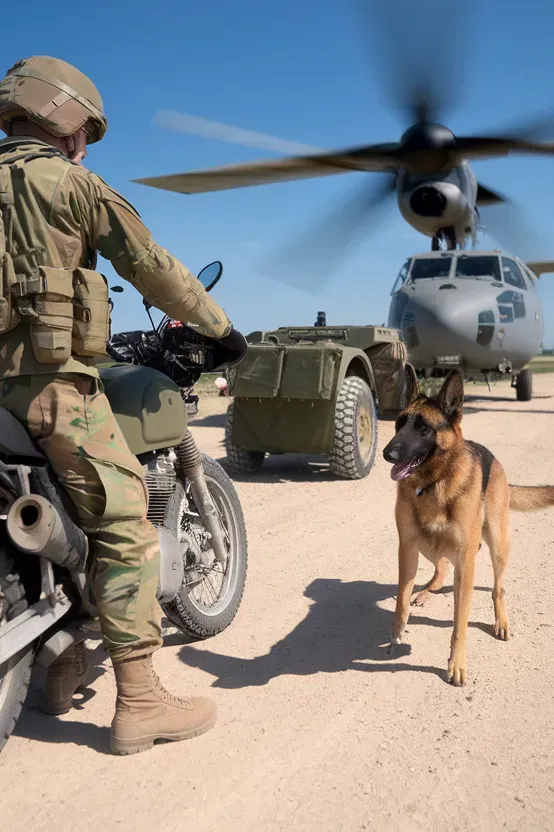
<point x="426" y="488"/>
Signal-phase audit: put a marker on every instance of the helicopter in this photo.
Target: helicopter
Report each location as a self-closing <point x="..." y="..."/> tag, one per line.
<point x="475" y="320"/>
<point x="477" y="310"/>
<point x="428" y="170"/>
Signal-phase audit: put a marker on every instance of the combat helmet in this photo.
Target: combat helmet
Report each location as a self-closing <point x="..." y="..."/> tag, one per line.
<point x="53" y="94"/>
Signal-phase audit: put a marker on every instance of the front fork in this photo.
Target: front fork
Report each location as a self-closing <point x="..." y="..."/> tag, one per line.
<point x="190" y="465"/>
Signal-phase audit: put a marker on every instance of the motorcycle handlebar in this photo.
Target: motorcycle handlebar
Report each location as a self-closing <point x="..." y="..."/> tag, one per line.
<point x="220" y="352"/>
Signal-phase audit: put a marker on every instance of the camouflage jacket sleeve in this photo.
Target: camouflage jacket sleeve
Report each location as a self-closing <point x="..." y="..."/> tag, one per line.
<point x="115" y="229"/>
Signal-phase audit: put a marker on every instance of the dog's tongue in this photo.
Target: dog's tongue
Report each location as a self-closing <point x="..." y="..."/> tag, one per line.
<point x="401" y="470"/>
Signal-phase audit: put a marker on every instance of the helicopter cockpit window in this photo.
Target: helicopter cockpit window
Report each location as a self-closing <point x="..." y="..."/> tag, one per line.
<point x="430" y="267"/>
<point x="512" y="274"/>
<point x="511" y="305"/>
<point x="484" y="267"/>
<point x="402" y="275"/>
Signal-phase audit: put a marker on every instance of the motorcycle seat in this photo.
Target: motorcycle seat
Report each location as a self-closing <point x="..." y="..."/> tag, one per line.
<point x="16" y="446"/>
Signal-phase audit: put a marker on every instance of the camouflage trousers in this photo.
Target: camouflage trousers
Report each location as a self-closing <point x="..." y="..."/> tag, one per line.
<point x="71" y="420"/>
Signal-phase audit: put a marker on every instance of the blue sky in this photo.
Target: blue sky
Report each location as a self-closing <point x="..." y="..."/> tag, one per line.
<point x="297" y="70"/>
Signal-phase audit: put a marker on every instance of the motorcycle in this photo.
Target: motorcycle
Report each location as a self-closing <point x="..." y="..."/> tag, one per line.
<point x="46" y="601"/>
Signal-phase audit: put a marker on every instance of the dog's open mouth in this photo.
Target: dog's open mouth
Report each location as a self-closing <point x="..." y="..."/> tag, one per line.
<point x="403" y="469"/>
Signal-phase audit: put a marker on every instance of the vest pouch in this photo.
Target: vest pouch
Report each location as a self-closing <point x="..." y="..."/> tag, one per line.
<point x="45" y="302"/>
<point x="91" y="313"/>
<point x="8" y="315"/>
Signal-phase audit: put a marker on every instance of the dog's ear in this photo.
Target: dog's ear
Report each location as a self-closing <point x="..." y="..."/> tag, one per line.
<point x="451" y="395"/>
<point x="412" y="384"/>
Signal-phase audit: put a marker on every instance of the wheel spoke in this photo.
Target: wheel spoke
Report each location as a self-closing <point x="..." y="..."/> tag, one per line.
<point x="208" y="605"/>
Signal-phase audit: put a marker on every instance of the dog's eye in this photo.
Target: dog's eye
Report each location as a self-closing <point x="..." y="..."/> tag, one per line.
<point x="400" y="422"/>
<point x="423" y="428"/>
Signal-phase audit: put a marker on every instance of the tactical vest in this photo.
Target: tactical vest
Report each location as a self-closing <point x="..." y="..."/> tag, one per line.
<point x="68" y="310"/>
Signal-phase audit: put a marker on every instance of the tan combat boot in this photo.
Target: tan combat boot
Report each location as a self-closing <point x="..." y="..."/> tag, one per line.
<point x="146" y="712"/>
<point x="63" y="678"/>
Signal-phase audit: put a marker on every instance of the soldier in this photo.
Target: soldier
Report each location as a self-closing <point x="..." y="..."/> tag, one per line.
<point x="56" y="217"/>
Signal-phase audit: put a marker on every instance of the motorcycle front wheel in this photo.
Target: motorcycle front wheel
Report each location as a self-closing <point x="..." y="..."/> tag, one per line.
<point x="211" y="593"/>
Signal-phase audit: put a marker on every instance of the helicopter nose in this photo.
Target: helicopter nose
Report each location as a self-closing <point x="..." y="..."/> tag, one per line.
<point x="440" y="322"/>
<point x="428" y="201"/>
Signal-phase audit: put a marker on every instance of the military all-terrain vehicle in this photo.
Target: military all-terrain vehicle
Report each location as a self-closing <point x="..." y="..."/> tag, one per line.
<point x="316" y="390"/>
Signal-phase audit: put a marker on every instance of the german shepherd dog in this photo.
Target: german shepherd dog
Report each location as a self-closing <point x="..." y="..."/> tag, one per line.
<point x="451" y="493"/>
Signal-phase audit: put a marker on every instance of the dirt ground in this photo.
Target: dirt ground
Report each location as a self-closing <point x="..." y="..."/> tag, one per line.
<point x="318" y="728"/>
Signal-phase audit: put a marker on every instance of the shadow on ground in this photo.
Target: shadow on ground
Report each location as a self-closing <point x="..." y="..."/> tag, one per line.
<point x="286" y="468"/>
<point x="344" y="629"/>
<point x="33" y="724"/>
<point x="212" y="420"/>
<point x="488" y="403"/>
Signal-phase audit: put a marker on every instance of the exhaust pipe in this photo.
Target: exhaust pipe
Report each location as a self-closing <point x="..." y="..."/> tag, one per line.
<point x="34" y="525"/>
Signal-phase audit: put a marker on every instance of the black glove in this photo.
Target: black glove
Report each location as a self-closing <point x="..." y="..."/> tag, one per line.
<point x="229" y="350"/>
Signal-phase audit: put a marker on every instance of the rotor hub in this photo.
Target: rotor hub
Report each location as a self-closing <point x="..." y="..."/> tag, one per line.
<point x="427" y="147"/>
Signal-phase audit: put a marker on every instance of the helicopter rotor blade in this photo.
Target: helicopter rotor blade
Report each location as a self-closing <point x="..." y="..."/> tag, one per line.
<point x="367" y="158"/>
<point x="482" y="147"/>
<point x="539" y="128"/>
<point x="421" y="47"/>
<point x="507" y="223"/>
<point x="195" y="126"/>
<point x="309" y="261"/>
<point x="486" y="197"/>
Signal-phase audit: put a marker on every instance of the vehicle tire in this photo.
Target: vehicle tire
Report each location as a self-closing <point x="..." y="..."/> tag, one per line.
<point x="355" y="432"/>
<point x="524" y="386"/>
<point x="15" y="674"/>
<point x="185" y="611"/>
<point x="240" y="460"/>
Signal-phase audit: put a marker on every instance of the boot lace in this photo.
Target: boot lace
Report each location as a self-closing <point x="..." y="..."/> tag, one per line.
<point x="169" y="697"/>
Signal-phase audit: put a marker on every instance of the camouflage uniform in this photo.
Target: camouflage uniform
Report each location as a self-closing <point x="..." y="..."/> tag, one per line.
<point x="64" y="214"/>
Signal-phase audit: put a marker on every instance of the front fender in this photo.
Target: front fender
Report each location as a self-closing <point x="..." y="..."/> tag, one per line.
<point x="172" y="573"/>
<point x="355" y="362"/>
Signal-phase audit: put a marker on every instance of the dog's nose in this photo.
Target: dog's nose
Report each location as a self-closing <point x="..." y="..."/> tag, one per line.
<point x="390" y="454"/>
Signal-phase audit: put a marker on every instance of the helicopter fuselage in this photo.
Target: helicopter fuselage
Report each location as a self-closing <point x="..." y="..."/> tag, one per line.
<point x="476" y="310"/>
<point x="440" y="204"/>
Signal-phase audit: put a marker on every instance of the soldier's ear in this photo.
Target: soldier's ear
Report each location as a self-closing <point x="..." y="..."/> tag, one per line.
<point x="451" y="396"/>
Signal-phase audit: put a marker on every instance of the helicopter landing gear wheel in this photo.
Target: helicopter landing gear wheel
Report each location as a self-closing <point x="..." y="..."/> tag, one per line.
<point x="444" y="240"/>
<point x="524" y="386"/>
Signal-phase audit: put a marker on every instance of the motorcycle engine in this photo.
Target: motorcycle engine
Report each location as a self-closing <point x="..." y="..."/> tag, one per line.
<point x="160" y="481"/>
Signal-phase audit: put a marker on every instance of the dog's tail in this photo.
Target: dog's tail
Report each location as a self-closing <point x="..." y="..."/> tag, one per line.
<point x="531" y="497"/>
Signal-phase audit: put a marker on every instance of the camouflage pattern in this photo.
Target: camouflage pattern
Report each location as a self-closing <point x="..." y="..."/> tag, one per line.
<point x="63" y="215"/>
<point x="53" y="94"/>
<point x="70" y="418"/>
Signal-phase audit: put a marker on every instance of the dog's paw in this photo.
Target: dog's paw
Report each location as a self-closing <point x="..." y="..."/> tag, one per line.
<point x="502" y="629"/>
<point x="421" y="598"/>
<point x="457" y="671"/>
<point x="392" y="645"/>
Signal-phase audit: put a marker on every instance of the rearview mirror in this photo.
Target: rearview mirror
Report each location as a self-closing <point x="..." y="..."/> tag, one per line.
<point x="210" y="274"/>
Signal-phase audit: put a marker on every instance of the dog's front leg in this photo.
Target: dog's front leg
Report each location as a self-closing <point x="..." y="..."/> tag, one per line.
<point x="408" y="557"/>
<point x="464" y="572"/>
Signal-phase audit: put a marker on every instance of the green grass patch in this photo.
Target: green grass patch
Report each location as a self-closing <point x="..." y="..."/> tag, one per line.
<point x="542" y="364"/>
<point x="205" y="385"/>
